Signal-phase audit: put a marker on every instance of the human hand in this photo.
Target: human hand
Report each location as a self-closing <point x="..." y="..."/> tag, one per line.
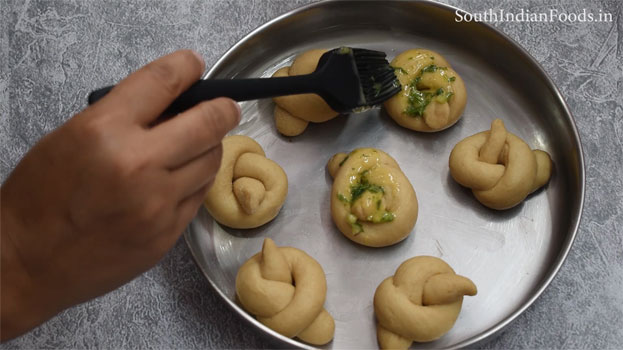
<point x="105" y="196"/>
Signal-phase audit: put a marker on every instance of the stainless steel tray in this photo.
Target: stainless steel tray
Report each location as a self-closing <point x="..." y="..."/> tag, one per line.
<point x="511" y="255"/>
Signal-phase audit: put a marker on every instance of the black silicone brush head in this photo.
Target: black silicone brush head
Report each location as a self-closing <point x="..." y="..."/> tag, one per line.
<point x="350" y="80"/>
<point x="356" y="78"/>
<point x="378" y="79"/>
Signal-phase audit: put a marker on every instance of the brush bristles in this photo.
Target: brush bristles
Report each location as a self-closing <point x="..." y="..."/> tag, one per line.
<point x="363" y="53"/>
<point x="377" y="77"/>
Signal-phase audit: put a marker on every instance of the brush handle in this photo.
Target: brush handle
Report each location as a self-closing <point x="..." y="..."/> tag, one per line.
<point x="236" y="89"/>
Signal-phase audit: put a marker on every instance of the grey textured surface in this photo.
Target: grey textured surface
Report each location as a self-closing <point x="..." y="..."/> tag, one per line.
<point x="54" y="52"/>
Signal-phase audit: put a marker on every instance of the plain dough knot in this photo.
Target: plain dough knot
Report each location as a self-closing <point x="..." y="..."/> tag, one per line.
<point x="249" y="189"/>
<point x="499" y="167"/>
<point x="250" y="193"/>
<point x="419" y="303"/>
<point x="285" y="289"/>
<point x="293" y="113"/>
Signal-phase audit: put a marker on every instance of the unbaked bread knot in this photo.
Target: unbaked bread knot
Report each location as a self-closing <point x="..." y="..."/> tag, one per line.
<point x="249" y="189"/>
<point x="499" y="167"/>
<point x="294" y="112"/>
<point x="372" y="201"/>
<point x="286" y="289"/>
<point x="433" y="95"/>
<point x="419" y="303"/>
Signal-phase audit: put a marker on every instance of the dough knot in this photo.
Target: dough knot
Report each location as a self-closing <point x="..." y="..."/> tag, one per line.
<point x="419" y="303"/>
<point x="249" y="189"/>
<point x="293" y="113"/>
<point x="372" y="201"/>
<point x="433" y="94"/>
<point x="285" y="289"/>
<point x="499" y="167"/>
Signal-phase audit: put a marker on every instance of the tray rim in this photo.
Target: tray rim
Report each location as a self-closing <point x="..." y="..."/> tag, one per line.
<point x="565" y="248"/>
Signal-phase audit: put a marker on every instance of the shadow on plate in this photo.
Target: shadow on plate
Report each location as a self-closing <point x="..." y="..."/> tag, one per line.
<point x="465" y="198"/>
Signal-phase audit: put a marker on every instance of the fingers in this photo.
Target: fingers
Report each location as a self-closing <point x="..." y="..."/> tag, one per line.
<point x="146" y="93"/>
<point x="181" y="216"/>
<point x="194" y="132"/>
<point x="197" y="173"/>
<point x="187" y="209"/>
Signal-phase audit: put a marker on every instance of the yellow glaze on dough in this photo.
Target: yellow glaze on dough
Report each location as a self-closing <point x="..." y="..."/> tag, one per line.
<point x="249" y="189"/>
<point x="499" y="167"/>
<point x="419" y="303"/>
<point x="286" y="289"/>
<point x="294" y="112"/>
<point x="428" y="72"/>
<point x="372" y="201"/>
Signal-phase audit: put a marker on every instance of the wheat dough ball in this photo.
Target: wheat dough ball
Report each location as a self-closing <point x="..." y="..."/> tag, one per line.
<point x="433" y="95"/>
<point x="420" y="302"/>
<point x="286" y="289"/>
<point x="372" y="201"/>
<point x="293" y="113"/>
<point x="499" y="167"/>
<point x="249" y="189"/>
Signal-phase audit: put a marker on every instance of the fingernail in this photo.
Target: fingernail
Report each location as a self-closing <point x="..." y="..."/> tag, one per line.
<point x="238" y="108"/>
<point x="198" y="57"/>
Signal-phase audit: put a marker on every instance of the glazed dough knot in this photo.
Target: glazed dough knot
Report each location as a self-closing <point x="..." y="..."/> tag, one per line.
<point x="285" y="289"/>
<point x="419" y="303"/>
<point x="433" y="95"/>
<point x="249" y="189"/>
<point x="499" y="167"/>
<point x="372" y="201"/>
<point x="293" y="113"/>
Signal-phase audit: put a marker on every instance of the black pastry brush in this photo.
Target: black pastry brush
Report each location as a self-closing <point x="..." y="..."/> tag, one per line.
<point x="347" y="79"/>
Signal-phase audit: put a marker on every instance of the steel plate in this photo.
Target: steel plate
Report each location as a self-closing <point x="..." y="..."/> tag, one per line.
<point x="511" y="255"/>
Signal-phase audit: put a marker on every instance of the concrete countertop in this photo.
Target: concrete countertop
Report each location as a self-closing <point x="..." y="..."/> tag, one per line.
<point x="54" y="52"/>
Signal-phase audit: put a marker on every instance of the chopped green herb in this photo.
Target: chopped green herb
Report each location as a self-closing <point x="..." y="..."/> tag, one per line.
<point x="387" y="217"/>
<point x="417" y="101"/>
<point x="352" y="218"/>
<point x="451" y="79"/>
<point x="354" y="224"/>
<point x="357" y="228"/>
<point x="432" y="57"/>
<point x="344" y="50"/>
<point x="342" y="198"/>
<point x="358" y="190"/>
<point x="444" y="97"/>
<point x="430" y="68"/>
<point x="400" y="69"/>
<point x="377" y="89"/>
